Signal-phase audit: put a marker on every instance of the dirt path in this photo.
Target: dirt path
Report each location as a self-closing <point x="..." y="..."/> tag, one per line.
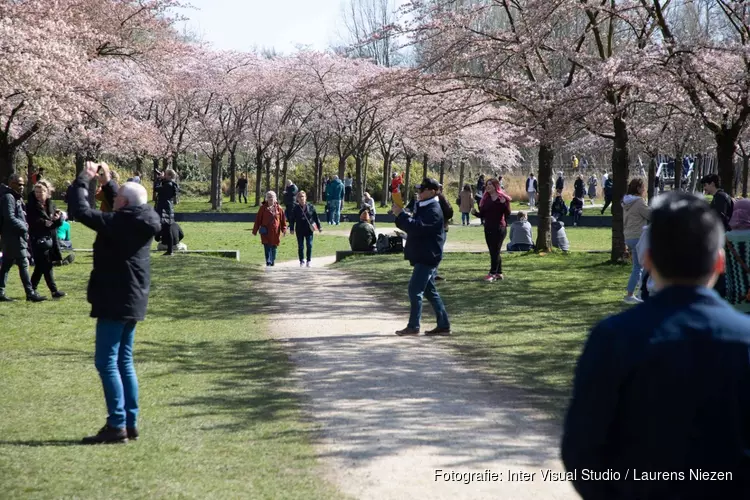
<point x="394" y="410"/>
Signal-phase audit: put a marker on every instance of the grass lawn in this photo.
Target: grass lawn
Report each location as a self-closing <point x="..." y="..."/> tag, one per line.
<point x="581" y="238"/>
<point x="528" y="329"/>
<point x="237" y="236"/>
<point x="218" y="416"/>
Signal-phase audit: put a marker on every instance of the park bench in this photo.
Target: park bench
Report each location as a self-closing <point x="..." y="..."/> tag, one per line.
<point x="229" y="254"/>
<point x="342" y="254"/>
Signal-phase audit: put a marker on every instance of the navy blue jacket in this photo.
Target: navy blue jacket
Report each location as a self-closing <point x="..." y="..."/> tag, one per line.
<point x="663" y="387"/>
<point x="425" y="234"/>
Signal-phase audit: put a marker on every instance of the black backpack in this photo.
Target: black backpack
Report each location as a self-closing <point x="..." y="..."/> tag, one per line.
<point x="389" y="244"/>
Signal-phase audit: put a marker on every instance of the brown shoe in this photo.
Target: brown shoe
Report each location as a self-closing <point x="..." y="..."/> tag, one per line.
<point x="407" y="331"/>
<point x="438" y="332"/>
<point x="107" y="435"/>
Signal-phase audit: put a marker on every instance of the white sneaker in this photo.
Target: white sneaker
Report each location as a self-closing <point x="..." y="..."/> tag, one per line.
<point x="632" y="299"/>
<point x="301" y="264"/>
<point x="309" y="264"/>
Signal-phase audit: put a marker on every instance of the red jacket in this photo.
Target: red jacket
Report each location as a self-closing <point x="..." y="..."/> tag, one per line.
<point x="274" y="225"/>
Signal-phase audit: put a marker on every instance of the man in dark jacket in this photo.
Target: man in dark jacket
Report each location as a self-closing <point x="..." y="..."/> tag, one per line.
<point x="14" y="232"/>
<point x="662" y="391"/>
<point x="290" y="195"/>
<point x="608" y="186"/>
<point x="722" y="203"/>
<point x="118" y="293"/>
<point x="424" y="250"/>
<point x="362" y="238"/>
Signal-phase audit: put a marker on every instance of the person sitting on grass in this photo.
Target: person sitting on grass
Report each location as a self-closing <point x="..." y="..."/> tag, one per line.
<point x="520" y="234"/>
<point x="576" y="209"/>
<point x="177" y="237"/>
<point x="362" y="238"/>
<point x="665" y="386"/>
<point x="559" y="236"/>
<point x="63" y="233"/>
<point x="559" y="208"/>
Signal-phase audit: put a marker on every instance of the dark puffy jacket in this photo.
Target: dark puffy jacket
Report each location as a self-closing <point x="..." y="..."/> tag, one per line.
<point x="559" y="208"/>
<point x="14" y="228"/>
<point x="579" y="188"/>
<point x="608" y="185"/>
<point x="166" y="198"/>
<point x="290" y="193"/>
<point x="121" y="278"/>
<point x="723" y="205"/>
<point x="425" y="234"/>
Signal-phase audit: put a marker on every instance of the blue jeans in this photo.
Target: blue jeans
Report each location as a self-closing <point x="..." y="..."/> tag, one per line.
<point x="301" y="240"/>
<point x="635" y="273"/>
<point x="464" y="218"/>
<point x="270" y="251"/>
<point x="113" y="358"/>
<point x="335" y="208"/>
<point x="422" y="284"/>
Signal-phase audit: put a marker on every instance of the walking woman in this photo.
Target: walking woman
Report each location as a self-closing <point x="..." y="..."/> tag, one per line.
<point x="303" y="222"/>
<point x="494" y="208"/>
<point x="166" y="198"/>
<point x="271" y="224"/>
<point x="465" y="204"/>
<point x="636" y="215"/>
<point x="44" y="219"/>
<point x="593" y="183"/>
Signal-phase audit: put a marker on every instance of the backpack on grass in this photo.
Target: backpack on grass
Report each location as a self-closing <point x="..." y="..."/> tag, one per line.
<point x="389" y="244"/>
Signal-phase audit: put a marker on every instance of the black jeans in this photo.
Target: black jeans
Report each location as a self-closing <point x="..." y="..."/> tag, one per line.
<point x="302" y="241"/>
<point x="166" y="237"/>
<point x="577" y="217"/>
<point x="43" y="267"/>
<point x="494" y="238"/>
<point x="23" y="271"/>
<point x="242" y="194"/>
<point x="607" y="203"/>
<point x="348" y="193"/>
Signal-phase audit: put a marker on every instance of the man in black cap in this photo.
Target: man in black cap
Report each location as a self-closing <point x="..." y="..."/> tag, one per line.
<point x="424" y="250"/>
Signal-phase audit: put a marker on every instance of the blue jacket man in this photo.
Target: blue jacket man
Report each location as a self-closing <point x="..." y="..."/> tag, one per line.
<point x="335" y="196"/>
<point x="425" y="236"/>
<point x="661" y="398"/>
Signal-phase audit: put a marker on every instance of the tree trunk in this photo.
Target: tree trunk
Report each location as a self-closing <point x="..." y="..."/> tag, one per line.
<point x="277" y="172"/>
<point x="359" y="162"/>
<point x="215" y="182"/>
<point x="745" y="165"/>
<point x="164" y="164"/>
<point x="461" y="173"/>
<point x="620" y="174"/>
<point x="365" y="174"/>
<point x="233" y="173"/>
<point x="29" y="170"/>
<point x="678" y="172"/>
<point x="285" y="171"/>
<point x="175" y="161"/>
<point x="7" y="156"/>
<point x="139" y="167"/>
<point x="268" y="174"/>
<point x="651" y="178"/>
<point x="442" y="171"/>
<point x="697" y="167"/>
<point x="544" y="204"/>
<point x="315" y="195"/>
<point x="407" y="180"/>
<point x="258" y="174"/>
<point x="425" y="158"/>
<point x="386" y="183"/>
<point x="154" y="173"/>
<point x="342" y="167"/>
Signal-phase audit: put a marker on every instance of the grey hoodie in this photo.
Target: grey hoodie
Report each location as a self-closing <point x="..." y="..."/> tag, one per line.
<point x="520" y="233"/>
<point x="636" y="214"/>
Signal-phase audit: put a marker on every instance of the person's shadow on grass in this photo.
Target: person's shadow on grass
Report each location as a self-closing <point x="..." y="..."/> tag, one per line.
<point x="43" y="442"/>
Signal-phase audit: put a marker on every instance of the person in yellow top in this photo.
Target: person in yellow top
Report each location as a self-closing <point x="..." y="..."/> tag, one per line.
<point x="575" y="162"/>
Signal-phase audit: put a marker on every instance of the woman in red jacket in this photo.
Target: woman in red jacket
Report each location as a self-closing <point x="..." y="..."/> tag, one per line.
<point x="494" y="208"/>
<point x="271" y="224"/>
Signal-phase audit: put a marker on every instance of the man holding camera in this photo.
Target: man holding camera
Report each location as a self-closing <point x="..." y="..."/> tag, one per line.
<point x="118" y="293"/>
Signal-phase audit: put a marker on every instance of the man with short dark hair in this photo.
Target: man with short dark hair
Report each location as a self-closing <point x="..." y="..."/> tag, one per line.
<point x="664" y="388"/>
<point x="118" y="293"/>
<point x="424" y="249"/>
<point x="722" y="203"/>
<point x="14" y="232"/>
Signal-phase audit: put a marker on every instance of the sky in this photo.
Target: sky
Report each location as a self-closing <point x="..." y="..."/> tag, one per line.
<point x="282" y="24"/>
